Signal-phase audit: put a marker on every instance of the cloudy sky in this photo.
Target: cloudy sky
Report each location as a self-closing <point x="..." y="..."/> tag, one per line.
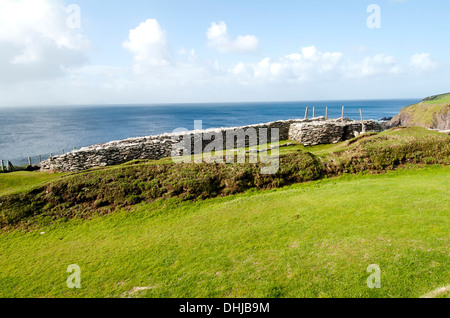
<point x="56" y="52"/>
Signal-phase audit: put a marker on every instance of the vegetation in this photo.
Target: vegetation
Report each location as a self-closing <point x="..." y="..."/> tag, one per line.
<point x="226" y="230"/>
<point x="391" y="149"/>
<point x="428" y="112"/>
<point x="307" y="240"/>
<point x="103" y="191"/>
<point x="438" y="99"/>
<point x="23" y="181"/>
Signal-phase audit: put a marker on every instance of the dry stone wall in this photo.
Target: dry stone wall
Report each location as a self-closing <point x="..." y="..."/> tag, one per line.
<point x="323" y="131"/>
<point x="306" y="131"/>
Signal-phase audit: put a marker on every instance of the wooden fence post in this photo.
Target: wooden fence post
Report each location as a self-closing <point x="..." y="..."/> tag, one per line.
<point x="314" y="112"/>
<point x="29" y="161"/>
<point x="343" y="107"/>
<point x="40" y="159"/>
<point x="363" y="129"/>
<point x="306" y="113"/>
<point x="326" y="113"/>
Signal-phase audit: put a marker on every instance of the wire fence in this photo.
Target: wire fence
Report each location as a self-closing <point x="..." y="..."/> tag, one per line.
<point x="31" y="163"/>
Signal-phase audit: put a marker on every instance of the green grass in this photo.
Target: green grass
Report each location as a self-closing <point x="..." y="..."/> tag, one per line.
<point x="23" y="181"/>
<point x="306" y="240"/>
<point x="103" y="191"/>
<point x="425" y="113"/>
<point x="438" y="99"/>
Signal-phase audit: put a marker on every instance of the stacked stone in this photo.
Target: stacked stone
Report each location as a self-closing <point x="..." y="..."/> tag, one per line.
<point x="307" y="131"/>
<point x="109" y="154"/>
<point x="330" y="131"/>
<point x="151" y="147"/>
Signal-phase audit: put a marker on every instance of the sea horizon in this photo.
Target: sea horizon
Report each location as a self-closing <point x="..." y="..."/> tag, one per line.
<point x="144" y="104"/>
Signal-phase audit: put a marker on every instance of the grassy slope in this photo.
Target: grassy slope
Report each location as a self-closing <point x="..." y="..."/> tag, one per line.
<point x="425" y="112"/>
<point x="23" y="181"/>
<point x="309" y="240"/>
<point x="103" y="191"/>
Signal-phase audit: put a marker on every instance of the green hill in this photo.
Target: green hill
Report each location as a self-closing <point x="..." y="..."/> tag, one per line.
<point x="157" y="229"/>
<point x="432" y="112"/>
<point x="102" y="191"/>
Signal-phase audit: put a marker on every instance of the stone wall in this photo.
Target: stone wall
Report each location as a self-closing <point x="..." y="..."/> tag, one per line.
<point x="323" y="131"/>
<point x="307" y="131"/>
<point x="151" y="147"/>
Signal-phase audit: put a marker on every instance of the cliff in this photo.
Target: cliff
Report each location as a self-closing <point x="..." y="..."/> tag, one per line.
<point x="432" y="112"/>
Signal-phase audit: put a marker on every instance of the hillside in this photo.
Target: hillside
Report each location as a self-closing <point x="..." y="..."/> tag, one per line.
<point x="433" y="112"/>
<point x="103" y="191"/>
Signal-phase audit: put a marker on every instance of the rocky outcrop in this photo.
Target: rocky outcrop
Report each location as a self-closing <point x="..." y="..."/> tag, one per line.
<point x="442" y="120"/>
<point x="432" y="113"/>
<point x="439" y="120"/>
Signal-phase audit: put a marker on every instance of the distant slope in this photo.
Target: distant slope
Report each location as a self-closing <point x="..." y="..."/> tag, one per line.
<point x="432" y="112"/>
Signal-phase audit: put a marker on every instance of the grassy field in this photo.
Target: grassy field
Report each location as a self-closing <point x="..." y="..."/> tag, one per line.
<point x="156" y="229"/>
<point x="308" y="240"/>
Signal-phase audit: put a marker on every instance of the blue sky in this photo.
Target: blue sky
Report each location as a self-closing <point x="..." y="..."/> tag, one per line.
<point x="218" y="51"/>
<point x="281" y="26"/>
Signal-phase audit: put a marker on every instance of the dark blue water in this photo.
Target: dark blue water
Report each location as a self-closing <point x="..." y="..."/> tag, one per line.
<point x="37" y="131"/>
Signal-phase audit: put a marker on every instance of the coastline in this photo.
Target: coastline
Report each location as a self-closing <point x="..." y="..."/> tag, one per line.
<point x="41" y="131"/>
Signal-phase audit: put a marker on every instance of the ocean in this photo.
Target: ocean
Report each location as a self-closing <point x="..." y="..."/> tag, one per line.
<point x="34" y="131"/>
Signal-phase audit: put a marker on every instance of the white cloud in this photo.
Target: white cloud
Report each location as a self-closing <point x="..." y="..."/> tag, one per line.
<point x="371" y="66"/>
<point x="148" y="43"/>
<point x="219" y="39"/>
<point x="313" y="66"/>
<point x="191" y="55"/>
<point x="42" y="61"/>
<point x="308" y="65"/>
<point x="36" y="42"/>
<point x="422" y="62"/>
